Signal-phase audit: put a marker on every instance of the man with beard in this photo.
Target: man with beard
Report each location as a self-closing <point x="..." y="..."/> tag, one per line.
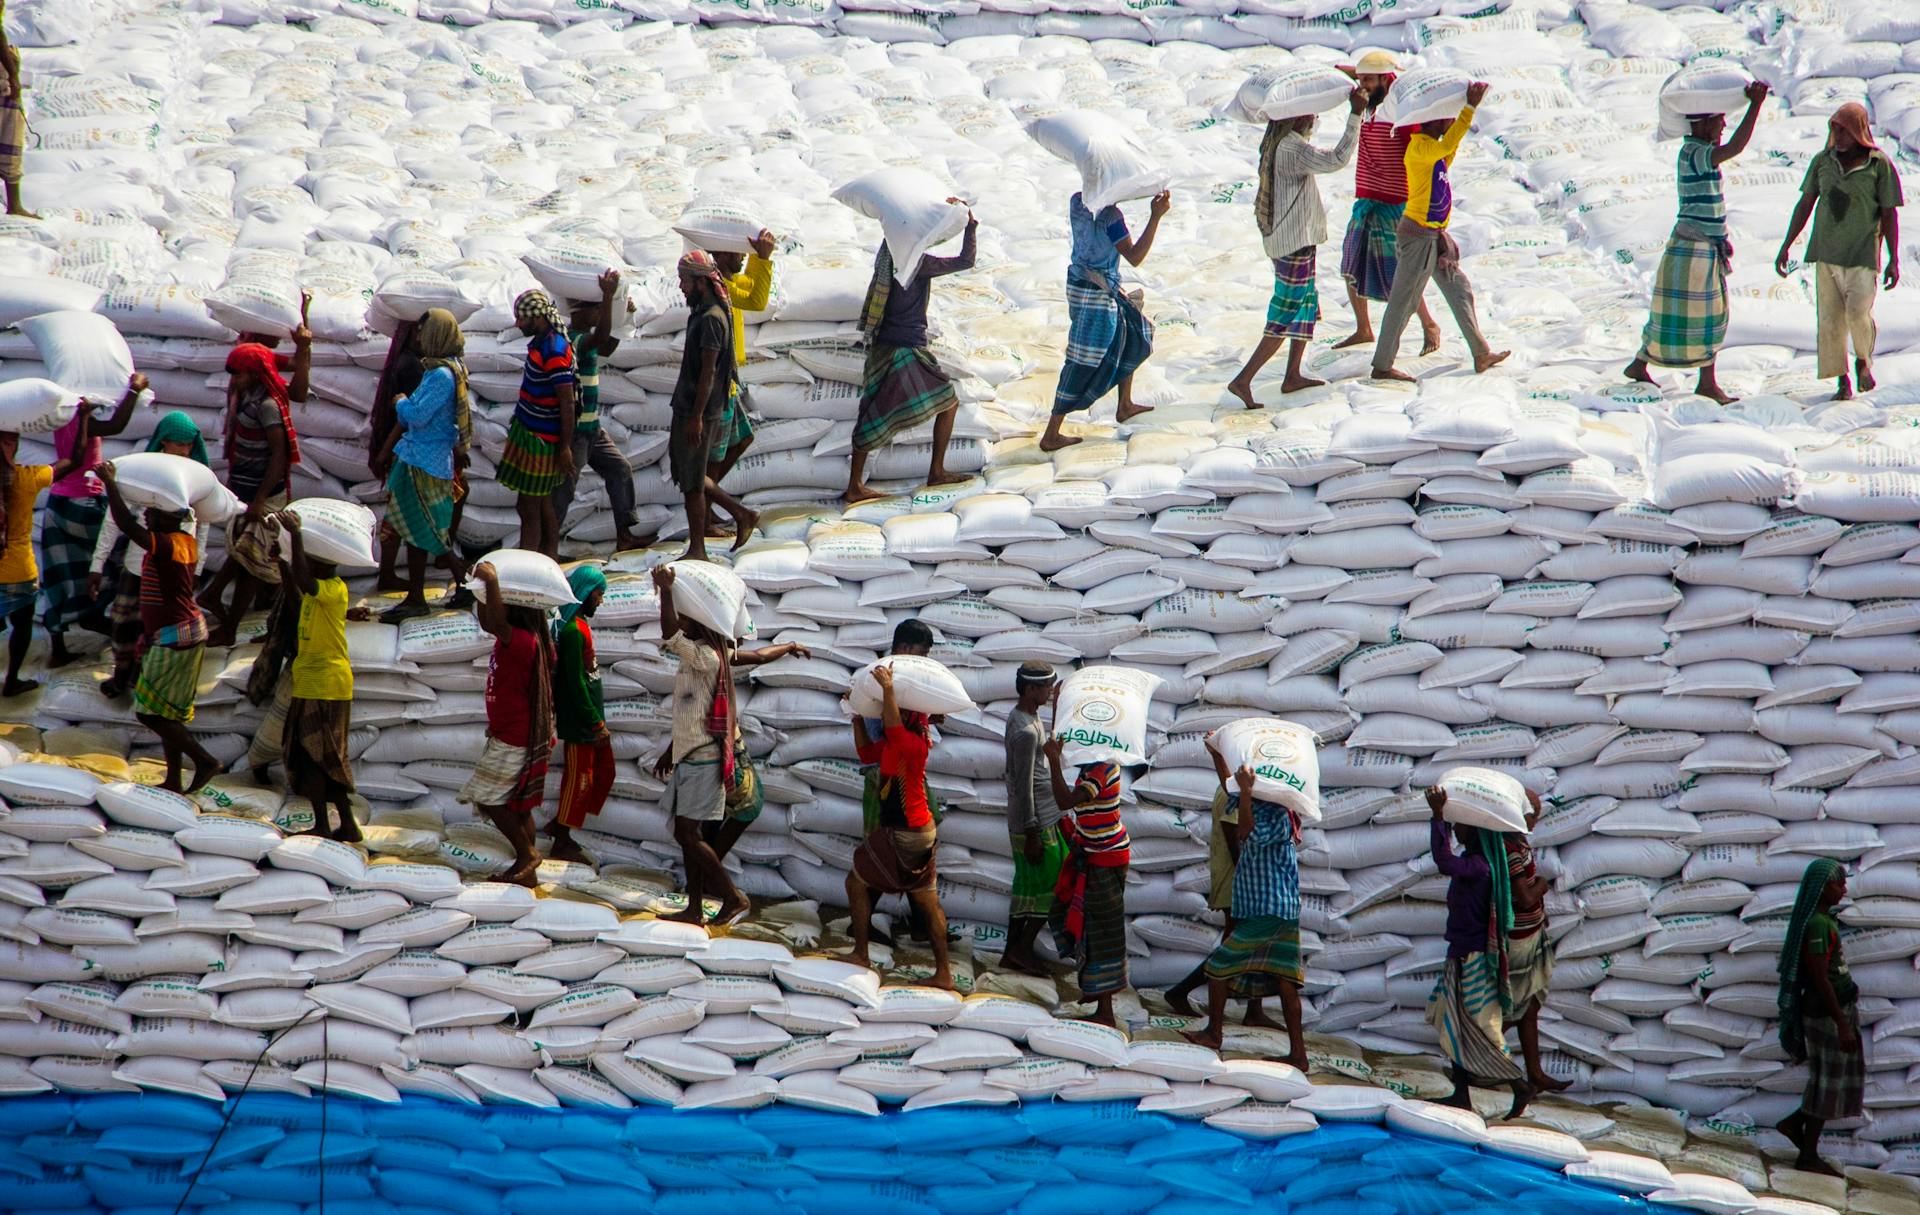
<point x="1370" y="251"/>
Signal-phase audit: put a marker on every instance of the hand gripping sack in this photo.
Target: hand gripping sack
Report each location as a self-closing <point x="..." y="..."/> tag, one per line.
<point x="1426" y="94"/>
<point x="569" y="267"/>
<point x="913" y="211"/>
<point x="170" y="482"/>
<point x="1102" y="715"/>
<point x="83" y="352"/>
<point x="1284" y="758"/>
<point x="718" y="227"/>
<point x="35" y="407"/>
<point x="920" y="685"/>
<point x="1113" y="168"/>
<point x="527" y="579"/>
<point x="1288" y="90"/>
<point x="1482" y="797"/>
<point x="1705" y="86"/>
<point x="710" y="594"/>
<point x="335" y="531"/>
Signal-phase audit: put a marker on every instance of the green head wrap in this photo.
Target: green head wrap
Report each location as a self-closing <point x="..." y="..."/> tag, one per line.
<point x="1813" y="883"/>
<point x="177" y="427"/>
<point x="584" y="580"/>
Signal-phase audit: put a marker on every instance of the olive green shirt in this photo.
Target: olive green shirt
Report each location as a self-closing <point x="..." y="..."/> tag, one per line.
<point x="1846" y="221"/>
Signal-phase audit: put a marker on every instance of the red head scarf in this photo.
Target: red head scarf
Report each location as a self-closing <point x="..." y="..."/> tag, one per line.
<point x="265" y="366"/>
<point x="1852" y="118"/>
<point x="697" y="264"/>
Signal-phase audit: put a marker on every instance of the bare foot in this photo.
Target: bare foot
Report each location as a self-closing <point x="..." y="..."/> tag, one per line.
<point x="1296" y="383"/>
<point x="220" y="639"/>
<point x="1022" y="964"/>
<point x="348" y="832"/>
<point x="942" y="978"/>
<point x="859" y="957"/>
<point x="18" y="687"/>
<point x="213" y="768"/>
<point x="732" y="912"/>
<point x="390" y="582"/>
<point x="943" y="477"/>
<point x="1181" y="1001"/>
<point x="1458" y="1099"/>
<point x="1547" y="1084"/>
<point x="1104" y="1017"/>
<point x="1430" y="341"/>
<point x="1299" y="1061"/>
<point x="1864" y="376"/>
<point x="1126" y="413"/>
<point x="60" y="657"/>
<point x="1637" y="371"/>
<point x="694" y="914"/>
<point x="521" y="874"/>
<point x="1394" y="373"/>
<point x="1244" y="390"/>
<point x="1206" y="1036"/>
<point x="1522" y="1094"/>
<point x="1058" y="442"/>
<point x="1491" y="360"/>
<point x="1718" y="394"/>
<point x="746" y="525"/>
<point x="860" y="492"/>
<point x="1360" y="338"/>
<point x="626" y="542"/>
<point x="1257" y="1018"/>
<point x="1813" y="1164"/>
<point x="568" y="850"/>
<point x="1844" y="392"/>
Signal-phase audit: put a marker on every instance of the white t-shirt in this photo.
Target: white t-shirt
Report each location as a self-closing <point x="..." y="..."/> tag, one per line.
<point x="692" y="694"/>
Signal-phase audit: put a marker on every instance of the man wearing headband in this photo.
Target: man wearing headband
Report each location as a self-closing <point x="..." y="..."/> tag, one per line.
<point x="1858" y="195"/>
<point x="1369" y="251"/>
<point x="1033" y="820"/>
<point x="708" y="380"/>
<point x="539" y="455"/>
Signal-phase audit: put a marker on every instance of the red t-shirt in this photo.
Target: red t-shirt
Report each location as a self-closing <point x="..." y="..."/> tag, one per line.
<point x="509" y="676"/>
<point x="903" y="760"/>
<point x="1382" y="167"/>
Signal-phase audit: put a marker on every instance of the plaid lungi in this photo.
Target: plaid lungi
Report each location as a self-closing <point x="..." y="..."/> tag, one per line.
<point x="1103" y="944"/>
<point x="1687" y="323"/>
<point x="1107" y="340"/>
<point x="269" y="744"/>
<point x="513" y="777"/>
<point x="254" y="544"/>
<point x="1371" y="249"/>
<point x="1465" y="1011"/>
<point x="13" y="142"/>
<point x="419" y="508"/>
<point x="315" y="739"/>
<point x="1295" y="305"/>
<point x="903" y="387"/>
<point x="17" y="595"/>
<point x="66" y="554"/>
<point x="1033" y="884"/>
<point x="1257" y="957"/>
<point x="735" y="427"/>
<point x="1836" y="1079"/>
<point x="531" y="464"/>
<point x="169" y="682"/>
<point x="896" y="862"/>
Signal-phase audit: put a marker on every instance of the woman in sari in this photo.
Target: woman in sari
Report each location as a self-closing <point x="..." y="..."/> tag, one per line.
<point x="431" y="425"/>
<point x="1090" y="904"/>
<point x="176" y="435"/>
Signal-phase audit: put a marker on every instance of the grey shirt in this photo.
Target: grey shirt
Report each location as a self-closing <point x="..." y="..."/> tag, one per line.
<point x="1030" y="804"/>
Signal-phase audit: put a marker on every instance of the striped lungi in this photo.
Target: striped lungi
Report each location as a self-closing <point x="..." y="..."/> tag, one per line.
<point x="1687" y="323"/>
<point x="316" y="742"/>
<point x="13" y="142"/>
<point x="531" y="464"/>
<point x="1108" y="337"/>
<point x="253" y="544"/>
<point x="17" y="595"/>
<point x="1257" y="957"/>
<point x="66" y="555"/>
<point x="903" y="387"/>
<point x="1465" y="1011"/>
<point x="1836" y="1078"/>
<point x="1101" y="948"/>
<point x="1033" y="883"/>
<point x="508" y="776"/>
<point x="1295" y="305"/>
<point x="169" y="682"/>
<point x="1529" y="970"/>
<point x="269" y="745"/>
<point x="419" y="508"/>
<point x="897" y="861"/>
<point x="735" y="427"/>
<point x="1371" y="249"/>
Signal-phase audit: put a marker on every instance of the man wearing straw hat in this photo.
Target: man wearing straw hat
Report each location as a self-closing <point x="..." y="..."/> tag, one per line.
<point x="1370" y="250"/>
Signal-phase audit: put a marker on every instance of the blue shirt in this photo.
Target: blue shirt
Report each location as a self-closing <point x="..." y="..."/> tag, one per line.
<point x="431" y="430"/>
<point x="1266" y="881"/>
<point x="1096" y="238"/>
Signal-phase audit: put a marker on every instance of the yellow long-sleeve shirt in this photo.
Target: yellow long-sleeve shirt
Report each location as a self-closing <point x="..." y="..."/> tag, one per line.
<point x="1429" y="191"/>
<point x="750" y="289"/>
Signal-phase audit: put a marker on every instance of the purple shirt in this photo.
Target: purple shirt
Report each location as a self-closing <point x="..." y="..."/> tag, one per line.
<point x="1469" y="894"/>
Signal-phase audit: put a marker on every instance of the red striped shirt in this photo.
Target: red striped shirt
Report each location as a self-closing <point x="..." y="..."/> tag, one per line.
<point x="1382" y="171"/>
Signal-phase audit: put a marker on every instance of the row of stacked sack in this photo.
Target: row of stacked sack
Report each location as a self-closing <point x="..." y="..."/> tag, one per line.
<point x="1549" y="562"/>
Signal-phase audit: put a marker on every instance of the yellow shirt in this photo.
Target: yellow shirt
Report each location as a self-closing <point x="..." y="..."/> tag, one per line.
<point x="749" y="289"/>
<point x="320" y="669"/>
<point x="17" y="564"/>
<point x="1429" y="192"/>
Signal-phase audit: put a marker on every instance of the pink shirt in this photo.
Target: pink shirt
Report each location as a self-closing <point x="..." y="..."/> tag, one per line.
<point x="81" y="483"/>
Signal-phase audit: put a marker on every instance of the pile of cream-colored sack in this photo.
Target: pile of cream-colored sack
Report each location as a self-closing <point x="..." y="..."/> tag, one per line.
<point x="1691" y="628"/>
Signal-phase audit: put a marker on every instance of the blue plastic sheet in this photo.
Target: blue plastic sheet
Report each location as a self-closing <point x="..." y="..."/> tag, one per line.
<point x="124" y="1154"/>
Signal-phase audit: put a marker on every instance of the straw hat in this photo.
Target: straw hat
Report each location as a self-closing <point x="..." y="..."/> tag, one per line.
<point x="1376" y="63"/>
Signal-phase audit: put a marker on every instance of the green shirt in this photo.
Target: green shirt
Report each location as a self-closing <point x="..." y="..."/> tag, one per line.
<point x="1846" y="223"/>
<point x="1822" y="927"/>
<point x="579" y="704"/>
<point x="586" y="371"/>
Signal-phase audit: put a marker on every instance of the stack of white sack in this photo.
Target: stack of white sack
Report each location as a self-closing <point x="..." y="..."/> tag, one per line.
<point x="1689" y="627"/>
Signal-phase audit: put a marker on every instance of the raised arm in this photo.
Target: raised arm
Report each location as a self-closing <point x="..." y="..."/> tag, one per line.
<point x="492" y="609"/>
<point x="752" y="288"/>
<point x="889" y="706"/>
<point x="1314" y="159"/>
<point x="1243" y="780"/>
<point x="602" y="339"/>
<point x="1135" y="249"/>
<point x="123" y="412"/>
<point x="303" y="580"/>
<point x="1449" y="862"/>
<point x="1756" y="97"/>
<point x="934" y="267"/>
<point x="297" y="384"/>
<point x="76" y="455"/>
<point x="772" y="653"/>
<point x="669" y="618"/>
<point x="1064" y="797"/>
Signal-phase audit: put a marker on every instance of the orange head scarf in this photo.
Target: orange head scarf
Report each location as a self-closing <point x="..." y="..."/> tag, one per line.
<point x="1852" y="118"/>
